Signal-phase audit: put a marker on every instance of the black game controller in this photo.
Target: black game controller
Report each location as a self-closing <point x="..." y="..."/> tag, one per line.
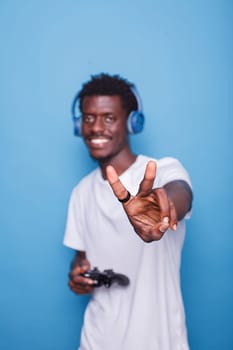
<point x="106" y="278"/>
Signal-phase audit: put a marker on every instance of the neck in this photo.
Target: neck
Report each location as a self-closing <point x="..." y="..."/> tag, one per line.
<point x="121" y="162"/>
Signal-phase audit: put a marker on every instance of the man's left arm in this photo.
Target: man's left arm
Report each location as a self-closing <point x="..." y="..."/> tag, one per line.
<point x="180" y="193"/>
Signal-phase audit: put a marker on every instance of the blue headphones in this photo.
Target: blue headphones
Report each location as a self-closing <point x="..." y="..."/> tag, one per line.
<point x="135" y="121"/>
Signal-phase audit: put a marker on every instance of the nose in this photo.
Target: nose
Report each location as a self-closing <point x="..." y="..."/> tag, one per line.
<point x="98" y="124"/>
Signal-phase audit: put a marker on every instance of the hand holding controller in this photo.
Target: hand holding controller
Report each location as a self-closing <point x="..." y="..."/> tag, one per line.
<point x="106" y="278"/>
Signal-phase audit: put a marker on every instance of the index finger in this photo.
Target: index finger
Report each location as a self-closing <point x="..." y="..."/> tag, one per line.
<point x="149" y="177"/>
<point x="77" y="271"/>
<point x="118" y="188"/>
<point x="77" y="276"/>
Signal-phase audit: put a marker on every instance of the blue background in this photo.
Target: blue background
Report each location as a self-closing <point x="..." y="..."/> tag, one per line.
<point x="179" y="54"/>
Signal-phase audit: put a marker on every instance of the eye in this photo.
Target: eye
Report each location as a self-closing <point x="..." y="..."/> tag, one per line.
<point x="109" y="119"/>
<point x="88" y="118"/>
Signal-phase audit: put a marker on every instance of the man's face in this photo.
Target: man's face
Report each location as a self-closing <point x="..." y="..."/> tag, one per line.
<point x="104" y="126"/>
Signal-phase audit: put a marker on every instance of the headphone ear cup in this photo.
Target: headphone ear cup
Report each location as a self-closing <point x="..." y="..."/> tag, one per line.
<point x="77" y="126"/>
<point x="135" y="122"/>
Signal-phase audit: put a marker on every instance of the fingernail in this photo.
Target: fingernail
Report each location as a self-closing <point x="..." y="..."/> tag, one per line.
<point x="174" y="227"/>
<point x="166" y="220"/>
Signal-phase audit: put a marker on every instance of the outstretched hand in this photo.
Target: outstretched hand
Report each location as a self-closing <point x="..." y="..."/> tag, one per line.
<point x="150" y="212"/>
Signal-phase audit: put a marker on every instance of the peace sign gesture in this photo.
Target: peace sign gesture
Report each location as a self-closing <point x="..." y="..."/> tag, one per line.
<point x="151" y="212"/>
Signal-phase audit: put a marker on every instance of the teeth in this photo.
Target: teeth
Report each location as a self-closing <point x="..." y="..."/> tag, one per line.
<point x="98" y="141"/>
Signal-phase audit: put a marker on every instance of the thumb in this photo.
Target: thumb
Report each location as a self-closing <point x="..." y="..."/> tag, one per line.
<point x="118" y="188"/>
<point x="111" y="175"/>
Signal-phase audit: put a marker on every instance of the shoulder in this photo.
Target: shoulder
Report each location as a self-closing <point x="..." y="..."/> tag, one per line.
<point x="170" y="169"/>
<point x="168" y="162"/>
<point x="85" y="183"/>
<point x="165" y="162"/>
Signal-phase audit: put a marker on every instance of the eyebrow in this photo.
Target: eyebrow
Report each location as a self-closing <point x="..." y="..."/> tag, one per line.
<point x="103" y="114"/>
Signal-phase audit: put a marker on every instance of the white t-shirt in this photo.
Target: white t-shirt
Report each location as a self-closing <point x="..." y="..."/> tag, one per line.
<point x="148" y="314"/>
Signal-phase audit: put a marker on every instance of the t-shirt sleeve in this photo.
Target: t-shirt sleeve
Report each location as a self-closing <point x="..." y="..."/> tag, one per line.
<point x="73" y="237"/>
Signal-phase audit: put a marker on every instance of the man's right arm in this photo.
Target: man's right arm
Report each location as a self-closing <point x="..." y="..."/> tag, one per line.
<point x="77" y="283"/>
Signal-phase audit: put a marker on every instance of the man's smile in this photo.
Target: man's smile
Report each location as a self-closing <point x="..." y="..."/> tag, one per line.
<point x="98" y="140"/>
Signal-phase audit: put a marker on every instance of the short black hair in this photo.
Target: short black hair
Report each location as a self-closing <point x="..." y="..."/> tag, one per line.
<point x="104" y="84"/>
